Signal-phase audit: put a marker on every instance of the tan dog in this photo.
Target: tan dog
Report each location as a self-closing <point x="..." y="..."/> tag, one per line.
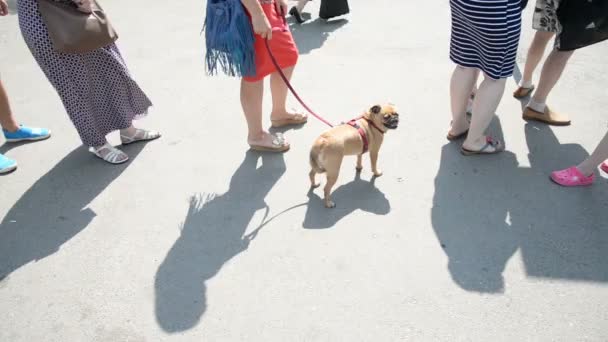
<point x="354" y="138"/>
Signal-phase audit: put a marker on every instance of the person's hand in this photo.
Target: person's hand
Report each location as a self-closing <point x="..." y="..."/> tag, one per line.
<point x="3" y="8"/>
<point x="284" y="7"/>
<point x="85" y="6"/>
<point x="261" y="26"/>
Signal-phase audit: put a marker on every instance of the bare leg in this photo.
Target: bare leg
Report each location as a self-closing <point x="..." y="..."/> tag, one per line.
<point x="461" y="86"/>
<point x="279" y="95"/>
<point x="486" y="102"/>
<point x="550" y="75"/>
<point x="7" y="121"/>
<point x="588" y="166"/>
<point x="251" y="100"/>
<point x="535" y="54"/>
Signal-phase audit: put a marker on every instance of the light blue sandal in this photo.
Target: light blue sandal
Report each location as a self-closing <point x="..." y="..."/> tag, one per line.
<point x="6" y="164"/>
<point x="27" y="134"/>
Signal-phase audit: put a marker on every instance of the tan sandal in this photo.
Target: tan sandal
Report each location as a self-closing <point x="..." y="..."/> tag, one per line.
<point x="279" y="144"/>
<point x="522" y="92"/>
<point x="295" y="119"/>
<point x="549" y="117"/>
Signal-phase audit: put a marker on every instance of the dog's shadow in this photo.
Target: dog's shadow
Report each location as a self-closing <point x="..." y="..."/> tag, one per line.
<point x="356" y="195"/>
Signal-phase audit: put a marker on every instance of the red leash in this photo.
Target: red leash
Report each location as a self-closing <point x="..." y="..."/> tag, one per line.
<point x="293" y="91"/>
<point x="287" y="83"/>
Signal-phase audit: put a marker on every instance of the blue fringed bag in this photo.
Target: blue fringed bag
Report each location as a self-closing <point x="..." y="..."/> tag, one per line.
<point x="229" y="39"/>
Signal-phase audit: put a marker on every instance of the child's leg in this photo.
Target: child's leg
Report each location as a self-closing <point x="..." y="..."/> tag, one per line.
<point x="600" y="154"/>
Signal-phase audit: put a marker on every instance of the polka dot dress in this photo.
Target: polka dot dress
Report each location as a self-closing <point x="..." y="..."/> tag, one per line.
<point x="96" y="88"/>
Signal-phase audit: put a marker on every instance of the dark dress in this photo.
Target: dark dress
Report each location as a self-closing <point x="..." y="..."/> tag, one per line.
<point x="583" y="23"/>
<point x="333" y="8"/>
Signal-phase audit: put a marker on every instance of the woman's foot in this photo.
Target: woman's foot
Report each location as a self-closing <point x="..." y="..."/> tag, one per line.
<point x="7" y="165"/>
<point x="133" y="135"/>
<point x="110" y="154"/>
<point x="548" y="116"/>
<point x="296" y="15"/>
<point x="285" y="118"/>
<point x="485" y="145"/>
<point x="24" y="133"/>
<point x="572" y="177"/>
<point x="269" y="142"/>
<point x="458" y="130"/>
<point x="522" y="92"/>
<point x="453" y="137"/>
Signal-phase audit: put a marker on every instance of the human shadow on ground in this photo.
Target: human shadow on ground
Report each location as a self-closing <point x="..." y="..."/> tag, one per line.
<point x="356" y="195"/>
<point x="487" y="208"/>
<point x="7" y="147"/>
<point x="212" y="233"/>
<point x="311" y="35"/>
<point x="55" y="208"/>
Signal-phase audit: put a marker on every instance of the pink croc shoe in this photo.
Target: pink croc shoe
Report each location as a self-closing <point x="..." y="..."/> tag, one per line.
<point x="604" y="166"/>
<point x="571" y="177"/>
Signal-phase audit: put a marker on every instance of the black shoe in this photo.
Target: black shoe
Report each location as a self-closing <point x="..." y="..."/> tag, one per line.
<point x="296" y="14"/>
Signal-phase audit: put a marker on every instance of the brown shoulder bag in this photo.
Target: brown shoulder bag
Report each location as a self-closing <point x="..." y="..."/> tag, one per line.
<point x="73" y="31"/>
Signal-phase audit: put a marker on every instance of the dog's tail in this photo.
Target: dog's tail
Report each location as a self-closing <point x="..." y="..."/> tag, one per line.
<point x="315" y="154"/>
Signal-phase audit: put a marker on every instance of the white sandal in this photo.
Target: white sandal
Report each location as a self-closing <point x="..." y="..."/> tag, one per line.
<point x="139" y="135"/>
<point x="113" y="155"/>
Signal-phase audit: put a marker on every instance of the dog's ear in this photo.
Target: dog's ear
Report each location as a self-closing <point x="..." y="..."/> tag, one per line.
<point x="376" y="109"/>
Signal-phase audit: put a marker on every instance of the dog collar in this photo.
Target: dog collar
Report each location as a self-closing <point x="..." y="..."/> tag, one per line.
<point x="373" y="125"/>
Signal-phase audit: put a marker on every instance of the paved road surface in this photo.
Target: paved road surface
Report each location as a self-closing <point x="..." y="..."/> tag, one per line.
<point x="197" y="239"/>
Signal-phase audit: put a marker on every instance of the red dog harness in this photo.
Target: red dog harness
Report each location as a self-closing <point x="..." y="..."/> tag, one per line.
<point x="353" y="123"/>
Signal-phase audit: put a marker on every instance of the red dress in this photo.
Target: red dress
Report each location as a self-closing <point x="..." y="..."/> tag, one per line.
<point x="282" y="44"/>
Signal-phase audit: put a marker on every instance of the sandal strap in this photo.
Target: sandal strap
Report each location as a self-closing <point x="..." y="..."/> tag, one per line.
<point x="278" y="139"/>
<point x="113" y="154"/>
<point x="132" y="137"/>
<point x="139" y="135"/>
<point x="490" y="142"/>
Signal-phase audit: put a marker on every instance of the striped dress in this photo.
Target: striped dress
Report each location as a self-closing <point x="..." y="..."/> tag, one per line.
<point x="485" y="35"/>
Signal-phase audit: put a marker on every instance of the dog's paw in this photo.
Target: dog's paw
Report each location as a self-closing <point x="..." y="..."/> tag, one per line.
<point x="315" y="185"/>
<point x="378" y="173"/>
<point x="359" y="169"/>
<point x="330" y="204"/>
